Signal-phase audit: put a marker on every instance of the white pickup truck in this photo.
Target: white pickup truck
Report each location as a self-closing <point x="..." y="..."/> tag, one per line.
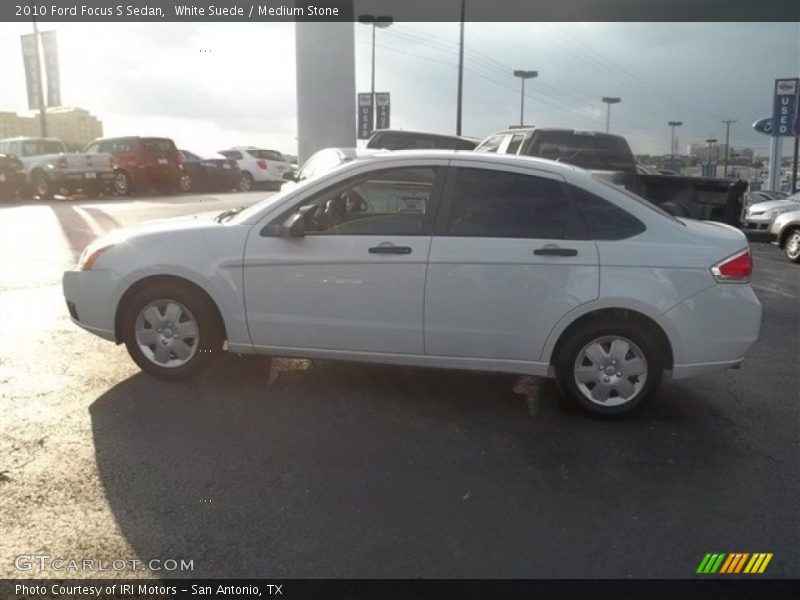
<point x="51" y="170"/>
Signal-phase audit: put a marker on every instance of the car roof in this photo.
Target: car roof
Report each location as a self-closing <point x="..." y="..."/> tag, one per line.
<point x="555" y="130"/>
<point x="469" y="156"/>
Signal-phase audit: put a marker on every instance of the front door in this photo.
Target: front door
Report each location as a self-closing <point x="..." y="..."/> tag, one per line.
<point x="355" y="281"/>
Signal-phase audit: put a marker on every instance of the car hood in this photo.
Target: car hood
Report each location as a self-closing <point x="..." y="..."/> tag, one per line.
<point x="759" y="207"/>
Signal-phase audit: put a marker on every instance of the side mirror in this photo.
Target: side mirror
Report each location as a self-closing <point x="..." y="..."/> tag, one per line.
<point x="289" y="175"/>
<point x="295" y="225"/>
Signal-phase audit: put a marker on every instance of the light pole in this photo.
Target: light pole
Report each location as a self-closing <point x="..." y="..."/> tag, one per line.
<point x="382" y="21"/>
<point x="727" y="141"/>
<point x="710" y="141"/>
<point x="673" y="125"/>
<point x="460" y="69"/>
<point x="524" y="75"/>
<point x="610" y="100"/>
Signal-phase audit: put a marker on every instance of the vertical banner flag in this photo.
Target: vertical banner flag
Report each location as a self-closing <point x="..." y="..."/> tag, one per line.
<point x="382" y="107"/>
<point x="364" y="116"/>
<point x="785" y="107"/>
<point x="50" y="48"/>
<point x="33" y="76"/>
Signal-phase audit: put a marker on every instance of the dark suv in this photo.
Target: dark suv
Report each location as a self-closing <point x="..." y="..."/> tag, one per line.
<point x="142" y="163"/>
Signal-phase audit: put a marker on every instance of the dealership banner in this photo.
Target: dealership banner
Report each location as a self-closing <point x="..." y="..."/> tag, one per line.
<point x="33" y="74"/>
<point x="365" y="118"/>
<point x="785" y="107"/>
<point x="50" y="48"/>
<point x="383" y="106"/>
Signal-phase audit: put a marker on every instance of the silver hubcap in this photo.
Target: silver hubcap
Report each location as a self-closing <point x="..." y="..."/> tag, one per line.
<point x="185" y="182"/>
<point x="793" y="246"/>
<point x="121" y="183"/>
<point x="167" y="333"/>
<point x="610" y="370"/>
<point x="244" y="183"/>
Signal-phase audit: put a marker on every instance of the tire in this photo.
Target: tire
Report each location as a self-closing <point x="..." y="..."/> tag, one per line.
<point x="601" y="345"/>
<point x="246" y="182"/>
<point x="122" y="184"/>
<point x="182" y="325"/>
<point x="42" y="186"/>
<point x="184" y="183"/>
<point x="791" y="247"/>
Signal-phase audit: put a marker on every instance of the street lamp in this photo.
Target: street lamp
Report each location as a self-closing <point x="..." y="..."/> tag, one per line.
<point x="727" y="141"/>
<point x="382" y="21"/>
<point x="673" y="125"/>
<point x="524" y="75"/>
<point x="610" y="100"/>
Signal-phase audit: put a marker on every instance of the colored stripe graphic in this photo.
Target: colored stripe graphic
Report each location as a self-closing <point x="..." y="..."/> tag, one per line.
<point x="734" y="562"/>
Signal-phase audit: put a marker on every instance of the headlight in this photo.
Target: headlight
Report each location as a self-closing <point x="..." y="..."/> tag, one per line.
<point x="778" y="211"/>
<point x="90" y="255"/>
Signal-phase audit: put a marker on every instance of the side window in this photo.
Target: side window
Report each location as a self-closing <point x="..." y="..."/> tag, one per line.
<point x="499" y="204"/>
<point x="514" y="144"/>
<point x="91" y="148"/>
<point x="387" y="202"/>
<point x="604" y="220"/>
<point x="491" y="145"/>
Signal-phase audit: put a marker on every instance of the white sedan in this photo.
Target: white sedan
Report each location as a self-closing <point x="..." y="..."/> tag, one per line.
<point x="440" y="259"/>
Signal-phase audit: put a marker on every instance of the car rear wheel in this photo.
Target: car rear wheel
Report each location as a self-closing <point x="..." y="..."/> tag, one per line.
<point x="42" y="186"/>
<point x="609" y="368"/>
<point x="792" y="246"/>
<point x="122" y="183"/>
<point x="170" y="331"/>
<point x="245" y="182"/>
<point x="185" y="183"/>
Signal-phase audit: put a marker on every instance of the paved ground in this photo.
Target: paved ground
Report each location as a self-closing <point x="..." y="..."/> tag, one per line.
<point x="343" y="470"/>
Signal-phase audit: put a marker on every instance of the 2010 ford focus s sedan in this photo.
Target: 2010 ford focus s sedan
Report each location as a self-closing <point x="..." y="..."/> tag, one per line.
<point x="434" y="258"/>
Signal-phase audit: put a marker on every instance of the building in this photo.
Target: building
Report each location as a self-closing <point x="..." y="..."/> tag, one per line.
<point x="76" y="127"/>
<point x="700" y="151"/>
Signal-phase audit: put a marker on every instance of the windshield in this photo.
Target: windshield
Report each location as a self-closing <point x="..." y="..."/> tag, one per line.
<point x="639" y="199"/>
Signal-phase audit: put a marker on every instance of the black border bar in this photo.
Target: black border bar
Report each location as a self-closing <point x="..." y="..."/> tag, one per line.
<point x="103" y="11"/>
<point x="699" y="587"/>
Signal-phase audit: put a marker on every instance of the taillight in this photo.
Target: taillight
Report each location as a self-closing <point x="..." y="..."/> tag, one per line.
<point x="62" y="162"/>
<point x="262" y="164"/>
<point x="734" y="269"/>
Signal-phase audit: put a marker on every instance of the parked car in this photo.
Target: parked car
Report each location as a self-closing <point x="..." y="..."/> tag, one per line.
<point x="759" y="216"/>
<point x="785" y="233"/>
<point x="12" y="177"/>
<point x="142" y="163"/>
<point x="50" y="169"/>
<point x="396" y="139"/>
<point x="213" y="174"/>
<point x="326" y="160"/>
<point x="258" y="167"/>
<point x="439" y="259"/>
<point x="696" y="197"/>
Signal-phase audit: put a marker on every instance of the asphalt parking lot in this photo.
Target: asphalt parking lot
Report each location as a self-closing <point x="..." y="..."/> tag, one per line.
<point x="342" y="470"/>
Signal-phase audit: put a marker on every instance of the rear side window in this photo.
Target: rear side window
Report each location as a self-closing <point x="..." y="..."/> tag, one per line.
<point x="500" y="204"/>
<point x="232" y="154"/>
<point x="266" y="155"/>
<point x="604" y="220"/>
<point x="120" y="146"/>
<point x="158" y="145"/>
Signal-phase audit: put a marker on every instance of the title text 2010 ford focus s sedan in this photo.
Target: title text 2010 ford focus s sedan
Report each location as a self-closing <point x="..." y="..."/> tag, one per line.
<point x="442" y="259"/>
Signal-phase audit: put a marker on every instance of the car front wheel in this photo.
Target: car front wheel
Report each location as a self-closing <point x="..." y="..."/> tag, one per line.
<point x="609" y="368"/>
<point x="792" y="246"/>
<point x="170" y="331"/>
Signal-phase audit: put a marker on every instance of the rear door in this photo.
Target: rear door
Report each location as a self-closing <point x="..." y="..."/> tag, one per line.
<point x="509" y="258"/>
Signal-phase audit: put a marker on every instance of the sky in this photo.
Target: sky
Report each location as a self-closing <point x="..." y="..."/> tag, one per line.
<point x="215" y="85"/>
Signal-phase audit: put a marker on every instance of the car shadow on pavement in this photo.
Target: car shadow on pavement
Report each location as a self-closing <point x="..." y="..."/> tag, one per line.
<point x="347" y="470"/>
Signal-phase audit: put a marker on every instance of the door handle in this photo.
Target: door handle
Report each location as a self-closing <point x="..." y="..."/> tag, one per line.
<point x="390" y="250"/>
<point x="550" y="250"/>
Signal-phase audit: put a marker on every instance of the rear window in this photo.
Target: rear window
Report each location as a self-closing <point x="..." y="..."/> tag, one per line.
<point x="267" y="155"/>
<point x="414" y="141"/>
<point x="588" y="151"/>
<point x="232" y="154"/>
<point x="158" y="145"/>
<point x="39" y="147"/>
